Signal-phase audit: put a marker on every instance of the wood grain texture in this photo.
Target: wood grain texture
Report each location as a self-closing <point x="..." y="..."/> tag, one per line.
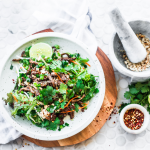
<point x="102" y="116"/>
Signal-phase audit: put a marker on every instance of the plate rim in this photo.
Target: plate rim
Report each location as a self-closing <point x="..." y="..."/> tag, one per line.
<point x="100" y="96"/>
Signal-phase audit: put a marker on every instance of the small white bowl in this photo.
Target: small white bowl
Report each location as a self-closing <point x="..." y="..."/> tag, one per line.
<point x="146" y="118"/>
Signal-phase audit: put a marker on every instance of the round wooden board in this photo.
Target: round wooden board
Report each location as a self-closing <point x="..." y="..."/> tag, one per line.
<point x="102" y="116"/>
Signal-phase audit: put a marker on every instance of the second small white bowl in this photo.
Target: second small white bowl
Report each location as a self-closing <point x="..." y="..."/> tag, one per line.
<point x="146" y="118"/>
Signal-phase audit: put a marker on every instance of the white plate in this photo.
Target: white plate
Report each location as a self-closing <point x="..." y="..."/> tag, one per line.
<point x="82" y="119"/>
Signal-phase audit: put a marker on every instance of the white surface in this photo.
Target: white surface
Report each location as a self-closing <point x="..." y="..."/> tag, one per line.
<point x="145" y="123"/>
<point x="81" y="120"/>
<point x="133" y="9"/>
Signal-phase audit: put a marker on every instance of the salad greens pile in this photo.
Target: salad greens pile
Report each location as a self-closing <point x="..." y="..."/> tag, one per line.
<point x="50" y="88"/>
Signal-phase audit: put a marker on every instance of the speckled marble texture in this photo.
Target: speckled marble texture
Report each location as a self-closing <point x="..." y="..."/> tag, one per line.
<point x="16" y="23"/>
<point x="133" y="47"/>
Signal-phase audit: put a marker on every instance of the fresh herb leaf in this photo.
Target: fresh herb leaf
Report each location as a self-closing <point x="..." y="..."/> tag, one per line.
<point x="54" y="56"/>
<point x="140" y="96"/>
<point x="37" y="75"/>
<point x="36" y="84"/>
<point x="10" y="98"/>
<point x="139" y="93"/>
<point x="127" y="95"/>
<point x="42" y="76"/>
<point x="11" y="67"/>
<point x="83" y="61"/>
<point x="41" y="64"/>
<point x="64" y="63"/>
<point x="27" y="49"/>
<point x="48" y="60"/>
<point x="53" y="125"/>
<point x="135" y="101"/>
<point x="63" y="105"/>
<point x="51" y="108"/>
<point x="57" y="46"/>
<point x="71" y="82"/>
<point x="45" y="123"/>
<point x="66" y="124"/>
<point x="70" y="93"/>
<point x="62" y="70"/>
<point x="47" y="94"/>
<point x="55" y="64"/>
<point x="76" y="107"/>
<point x="138" y="85"/>
<point x="61" y="127"/>
<point x="79" y="86"/>
<point x="134" y="91"/>
<point x="145" y="89"/>
<point x="69" y="67"/>
<point x="96" y="90"/>
<point x="63" y="88"/>
<point x="25" y="62"/>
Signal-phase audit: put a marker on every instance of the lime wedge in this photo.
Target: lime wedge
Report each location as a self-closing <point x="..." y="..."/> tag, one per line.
<point x="149" y="98"/>
<point x="41" y="49"/>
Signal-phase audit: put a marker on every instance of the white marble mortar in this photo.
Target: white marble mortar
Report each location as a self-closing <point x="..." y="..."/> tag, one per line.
<point x="115" y="54"/>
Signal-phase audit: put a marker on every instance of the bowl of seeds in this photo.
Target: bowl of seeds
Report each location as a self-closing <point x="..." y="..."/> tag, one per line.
<point x="119" y="58"/>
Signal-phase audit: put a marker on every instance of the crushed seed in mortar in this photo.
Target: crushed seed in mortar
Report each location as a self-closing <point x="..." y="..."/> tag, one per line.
<point x="146" y="62"/>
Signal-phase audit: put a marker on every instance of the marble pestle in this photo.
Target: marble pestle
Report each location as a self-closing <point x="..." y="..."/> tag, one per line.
<point x="133" y="47"/>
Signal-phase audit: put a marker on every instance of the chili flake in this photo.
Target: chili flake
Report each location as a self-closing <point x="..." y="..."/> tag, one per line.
<point x="133" y="119"/>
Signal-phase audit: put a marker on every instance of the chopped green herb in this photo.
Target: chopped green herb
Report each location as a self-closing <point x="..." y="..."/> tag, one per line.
<point x="63" y="88"/>
<point x="76" y="107"/>
<point x="139" y="94"/>
<point x="36" y="84"/>
<point x="54" y="56"/>
<point x="11" y="67"/>
<point x="41" y="64"/>
<point x="57" y="46"/>
<point x="42" y="76"/>
<point x="66" y="124"/>
<point x="27" y="49"/>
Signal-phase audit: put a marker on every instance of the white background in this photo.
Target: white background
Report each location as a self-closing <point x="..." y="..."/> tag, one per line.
<point x="16" y="22"/>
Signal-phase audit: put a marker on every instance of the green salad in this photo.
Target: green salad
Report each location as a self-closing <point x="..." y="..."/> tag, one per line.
<point x="50" y="85"/>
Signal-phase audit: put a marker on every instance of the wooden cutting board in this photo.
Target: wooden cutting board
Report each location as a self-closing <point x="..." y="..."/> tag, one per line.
<point x="102" y="116"/>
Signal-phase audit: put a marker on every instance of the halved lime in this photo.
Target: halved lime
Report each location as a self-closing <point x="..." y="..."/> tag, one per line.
<point x="149" y="98"/>
<point x="41" y="49"/>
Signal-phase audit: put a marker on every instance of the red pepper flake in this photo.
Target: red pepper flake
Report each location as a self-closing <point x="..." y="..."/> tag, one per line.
<point x="133" y="119"/>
